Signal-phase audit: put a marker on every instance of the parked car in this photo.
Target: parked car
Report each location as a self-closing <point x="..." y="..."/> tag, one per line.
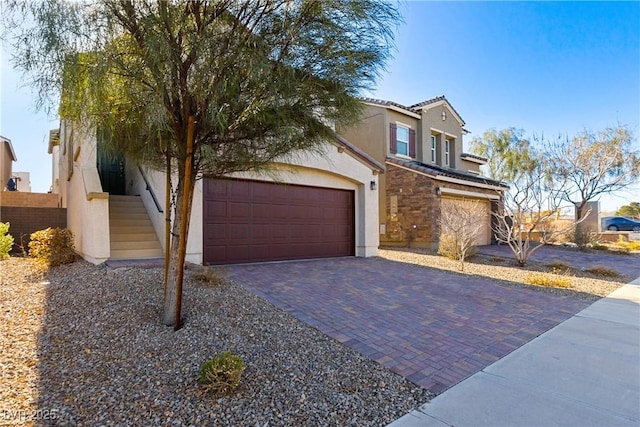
<point x="620" y="223"/>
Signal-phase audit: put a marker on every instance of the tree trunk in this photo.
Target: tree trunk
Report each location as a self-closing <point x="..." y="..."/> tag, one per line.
<point x="171" y="293"/>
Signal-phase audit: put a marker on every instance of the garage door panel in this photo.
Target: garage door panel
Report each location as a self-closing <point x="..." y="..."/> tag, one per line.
<point x="248" y="221"/>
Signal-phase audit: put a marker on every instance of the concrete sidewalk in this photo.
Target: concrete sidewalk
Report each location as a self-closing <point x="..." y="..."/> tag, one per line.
<point x="583" y="372"/>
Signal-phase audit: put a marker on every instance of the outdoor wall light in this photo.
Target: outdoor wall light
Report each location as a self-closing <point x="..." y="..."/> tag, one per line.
<point x="438" y="191"/>
<point x="373" y="185"/>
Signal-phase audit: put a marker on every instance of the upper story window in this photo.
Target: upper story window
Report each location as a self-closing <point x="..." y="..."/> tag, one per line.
<point x="402" y="140"/>
<point x="433" y="148"/>
<point x="447" y="144"/>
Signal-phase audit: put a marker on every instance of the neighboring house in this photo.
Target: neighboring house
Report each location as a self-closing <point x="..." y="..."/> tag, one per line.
<point x="7" y="157"/>
<point x="322" y="206"/>
<point x="421" y="146"/>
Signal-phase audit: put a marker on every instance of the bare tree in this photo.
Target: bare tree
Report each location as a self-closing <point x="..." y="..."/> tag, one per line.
<point x="459" y="228"/>
<point x="593" y="163"/>
<point x="526" y="210"/>
<point x="205" y="87"/>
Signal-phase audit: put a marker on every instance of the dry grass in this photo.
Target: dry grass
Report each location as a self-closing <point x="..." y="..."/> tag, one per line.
<point x="602" y="271"/>
<point x="559" y="266"/>
<point x="550" y="280"/>
<point x="214" y="276"/>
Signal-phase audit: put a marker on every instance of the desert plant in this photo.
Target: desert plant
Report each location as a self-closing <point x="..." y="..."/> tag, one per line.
<point x="214" y="276"/>
<point x="549" y="280"/>
<point x="6" y="240"/>
<point x="222" y="374"/>
<point x="460" y="231"/>
<point x="558" y="265"/>
<point x="52" y="246"/>
<point x="602" y="271"/>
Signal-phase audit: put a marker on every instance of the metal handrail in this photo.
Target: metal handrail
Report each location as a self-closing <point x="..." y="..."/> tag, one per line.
<point x="150" y="190"/>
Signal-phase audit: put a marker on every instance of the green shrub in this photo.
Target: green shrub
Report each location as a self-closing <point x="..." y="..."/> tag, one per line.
<point x="52" y="246"/>
<point x="550" y="280"/>
<point x="221" y="374"/>
<point x="6" y="240"/>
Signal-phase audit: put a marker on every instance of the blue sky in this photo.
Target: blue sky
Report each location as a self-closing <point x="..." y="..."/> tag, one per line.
<point x="547" y="68"/>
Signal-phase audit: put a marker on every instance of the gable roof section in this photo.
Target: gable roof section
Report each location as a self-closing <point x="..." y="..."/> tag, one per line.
<point x="391" y="105"/>
<point x="437" y="100"/>
<point x="11" y="151"/>
<point x="436" y="171"/>
<point x="414" y="109"/>
<point x="359" y="154"/>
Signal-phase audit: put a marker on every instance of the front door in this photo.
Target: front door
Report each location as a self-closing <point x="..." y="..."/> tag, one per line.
<point x="111" y="171"/>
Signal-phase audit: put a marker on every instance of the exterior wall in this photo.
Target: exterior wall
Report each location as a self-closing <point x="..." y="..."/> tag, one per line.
<point x="24" y="181"/>
<point x="371" y="134"/>
<point x="81" y="193"/>
<point x="432" y="122"/>
<point x="467" y="166"/>
<point x="6" y="162"/>
<point x="418" y="206"/>
<point x="34" y="200"/>
<point x="25" y="220"/>
<point x="334" y="170"/>
<point x="55" y="169"/>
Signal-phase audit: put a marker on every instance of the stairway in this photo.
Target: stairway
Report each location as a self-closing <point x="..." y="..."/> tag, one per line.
<point x="131" y="232"/>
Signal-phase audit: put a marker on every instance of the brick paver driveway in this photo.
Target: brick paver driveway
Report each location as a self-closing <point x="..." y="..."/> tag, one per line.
<point x="434" y="328"/>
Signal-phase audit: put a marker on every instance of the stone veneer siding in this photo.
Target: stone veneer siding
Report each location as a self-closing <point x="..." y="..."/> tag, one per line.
<point x="416" y="224"/>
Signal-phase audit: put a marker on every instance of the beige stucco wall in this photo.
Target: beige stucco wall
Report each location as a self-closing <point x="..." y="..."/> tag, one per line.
<point x="6" y="162"/>
<point x="81" y="193"/>
<point x="432" y="123"/>
<point x="371" y="133"/>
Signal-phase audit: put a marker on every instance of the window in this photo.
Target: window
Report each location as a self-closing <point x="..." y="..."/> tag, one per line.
<point x="446" y="152"/>
<point x="402" y="140"/>
<point x="433" y="148"/>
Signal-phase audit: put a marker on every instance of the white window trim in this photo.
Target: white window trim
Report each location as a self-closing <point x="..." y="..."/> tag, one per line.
<point x="433" y="149"/>
<point x="398" y="153"/>
<point x="447" y="145"/>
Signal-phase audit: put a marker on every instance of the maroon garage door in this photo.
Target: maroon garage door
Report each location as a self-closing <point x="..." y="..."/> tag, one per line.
<point x="251" y="221"/>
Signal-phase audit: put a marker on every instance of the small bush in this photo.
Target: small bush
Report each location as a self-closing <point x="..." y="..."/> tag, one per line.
<point x="214" y="276"/>
<point x="52" y="246"/>
<point x="222" y="374"/>
<point x="550" y="280"/>
<point x="602" y="271"/>
<point x="626" y="245"/>
<point x="558" y="265"/>
<point x="6" y="240"/>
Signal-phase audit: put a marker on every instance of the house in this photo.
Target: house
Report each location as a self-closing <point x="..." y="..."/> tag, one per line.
<point x="426" y="169"/>
<point x="7" y="157"/>
<point x="309" y="206"/>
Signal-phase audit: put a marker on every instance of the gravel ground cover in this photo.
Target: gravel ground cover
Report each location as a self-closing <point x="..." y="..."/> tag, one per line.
<point x="84" y="345"/>
<point x="583" y="284"/>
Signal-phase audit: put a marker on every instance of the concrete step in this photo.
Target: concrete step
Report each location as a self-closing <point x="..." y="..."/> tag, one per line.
<point x="139" y="244"/>
<point x="135" y="253"/>
<point x="129" y="222"/>
<point x="131" y="231"/>
<point x="131" y="236"/>
<point x="129" y="215"/>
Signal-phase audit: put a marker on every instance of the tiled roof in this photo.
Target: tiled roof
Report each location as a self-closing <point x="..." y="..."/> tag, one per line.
<point x="412" y="108"/>
<point x="360" y="154"/>
<point x="474" y="157"/>
<point x="419" y="105"/>
<point x="385" y="103"/>
<point x="438" y="170"/>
